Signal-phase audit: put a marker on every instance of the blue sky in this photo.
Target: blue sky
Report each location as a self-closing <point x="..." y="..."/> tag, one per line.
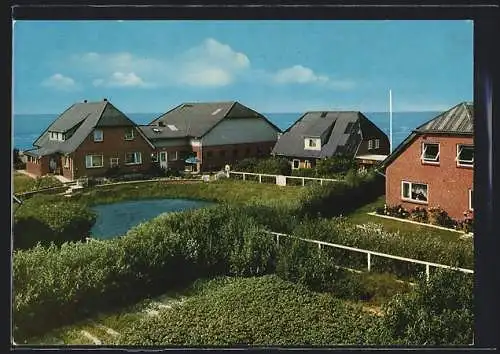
<point x="270" y="66"/>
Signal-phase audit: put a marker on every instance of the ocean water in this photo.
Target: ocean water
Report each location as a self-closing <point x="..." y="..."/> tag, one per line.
<point x="26" y="128"/>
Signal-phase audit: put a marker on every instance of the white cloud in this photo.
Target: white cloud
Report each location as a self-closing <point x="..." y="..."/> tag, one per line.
<point x="60" y="82"/>
<point x="299" y="74"/>
<point x="119" y="79"/>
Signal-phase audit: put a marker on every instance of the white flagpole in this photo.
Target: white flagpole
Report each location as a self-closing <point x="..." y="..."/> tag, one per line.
<point x="390" y="121"/>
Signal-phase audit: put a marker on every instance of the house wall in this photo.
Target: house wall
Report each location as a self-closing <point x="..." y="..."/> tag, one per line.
<point x="215" y="157"/>
<point x="304" y="163"/>
<point x="240" y="131"/>
<point x="448" y="184"/>
<point x="39" y="168"/>
<point x="182" y="153"/>
<point x="383" y="147"/>
<point x="113" y="145"/>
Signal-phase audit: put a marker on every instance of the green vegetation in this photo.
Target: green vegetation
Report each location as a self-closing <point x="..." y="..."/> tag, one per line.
<point x="360" y="216"/>
<point x="254" y="311"/>
<point x="23" y="183"/>
<point x="268" y="165"/>
<point x="57" y="222"/>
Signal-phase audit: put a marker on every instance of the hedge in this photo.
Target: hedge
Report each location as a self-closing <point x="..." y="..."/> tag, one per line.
<point x="56" y="222"/>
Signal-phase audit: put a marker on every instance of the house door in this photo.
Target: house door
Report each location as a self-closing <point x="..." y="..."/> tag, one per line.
<point x="163" y="159"/>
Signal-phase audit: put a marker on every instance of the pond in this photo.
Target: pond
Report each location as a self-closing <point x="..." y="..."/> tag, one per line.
<point x="117" y="218"/>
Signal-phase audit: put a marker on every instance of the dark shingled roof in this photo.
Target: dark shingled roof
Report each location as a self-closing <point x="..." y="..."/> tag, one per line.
<point x="195" y="119"/>
<point x="331" y="125"/>
<point x="458" y="120"/>
<point x="77" y="122"/>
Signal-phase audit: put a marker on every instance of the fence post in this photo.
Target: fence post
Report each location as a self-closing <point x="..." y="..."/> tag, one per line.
<point x="320" y="182"/>
<point x="260" y="178"/>
<point x="319" y="246"/>
<point x="243" y="176"/>
<point x="303" y="182"/>
<point x="277" y="240"/>
<point x="427" y="275"/>
<point x="369" y="261"/>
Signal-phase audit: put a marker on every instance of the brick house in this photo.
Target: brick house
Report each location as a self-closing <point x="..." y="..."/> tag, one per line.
<point x="88" y="139"/>
<point x="318" y="135"/>
<point x="433" y="166"/>
<point x="210" y="134"/>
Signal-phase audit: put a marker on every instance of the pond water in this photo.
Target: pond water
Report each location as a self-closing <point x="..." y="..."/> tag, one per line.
<point x="117" y="218"/>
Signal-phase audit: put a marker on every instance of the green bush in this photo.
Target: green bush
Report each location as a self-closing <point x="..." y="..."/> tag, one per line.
<point x="263" y="311"/>
<point x="334" y="165"/>
<point x="55" y="222"/>
<point x="437" y="313"/>
<point x="77" y="279"/>
<point x="268" y="165"/>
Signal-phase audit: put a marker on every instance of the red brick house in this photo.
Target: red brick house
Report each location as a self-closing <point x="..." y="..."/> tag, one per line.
<point x="210" y="134"/>
<point x="318" y="135"/>
<point x="434" y="165"/>
<point x="87" y="140"/>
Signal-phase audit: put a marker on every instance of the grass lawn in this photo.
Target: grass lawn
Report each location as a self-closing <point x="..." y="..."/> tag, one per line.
<point x="219" y="191"/>
<point x="23" y="183"/>
<point x="360" y="216"/>
<point x="227" y="311"/>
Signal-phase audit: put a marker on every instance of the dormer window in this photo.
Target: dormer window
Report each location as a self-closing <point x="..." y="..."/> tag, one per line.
<point x="312" y="143"/>
<point x="430" y="153"/>
<point x="98" y="136"/>
<point x="56" y="136"/>
<point x="129" y="134"/>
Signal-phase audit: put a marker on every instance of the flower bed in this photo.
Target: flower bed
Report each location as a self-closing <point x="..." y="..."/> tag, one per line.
<point x="433" y="216"/>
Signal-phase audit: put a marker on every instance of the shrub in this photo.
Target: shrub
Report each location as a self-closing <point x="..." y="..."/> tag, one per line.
<point x="46" y="223"/>
<point x="17" y="161"/>
<point x="331" y="166"/>
<point x="246" y="165"/>
<point x="438" y="216"/>
<point x="396" y="211"/>
<point x="419" y="215"/>
<point x="437" y="313"/>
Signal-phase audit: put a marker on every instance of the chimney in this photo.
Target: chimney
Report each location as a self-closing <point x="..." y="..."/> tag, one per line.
<point x="105" y="100"/>
<point x="84" y="101"/>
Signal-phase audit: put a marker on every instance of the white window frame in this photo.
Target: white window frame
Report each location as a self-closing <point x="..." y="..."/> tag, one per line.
<point x="66" y="162"/>
<point x="377" y="143"/>
<point x="137" y="161"/>
<point x="307" y="164"/>
<point x="410" y="199"/>
<point x="470" y="199"/>
<point x="370" y="144"/>
<point x="464" y="163"/>
<point x="102" y="135"/>
<point x="155" y="157"/>
<point x="130" y="136"/>
<point x="174" y="154"/>
<point x="312" y="143"/>
<point x="433" y="161"/>
<point x="114" y="162"/>
<point x="92" y="161"/>
<point x="293" y="164"/>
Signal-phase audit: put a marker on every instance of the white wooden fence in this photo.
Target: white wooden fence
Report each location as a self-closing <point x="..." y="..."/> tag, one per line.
<point x="374" y="253"/>
<point x="282" y="177"/>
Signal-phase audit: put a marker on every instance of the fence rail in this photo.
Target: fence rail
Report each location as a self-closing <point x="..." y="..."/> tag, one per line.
<point x="369" y="254"/>
<point x="282" y="177"/>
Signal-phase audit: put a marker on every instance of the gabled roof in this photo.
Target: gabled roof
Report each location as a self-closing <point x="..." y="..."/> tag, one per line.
<point x="329" y="125"/>
<point x="458" y="120"/>
<point x="77" y="122"/>
<point x="196" y="119"/>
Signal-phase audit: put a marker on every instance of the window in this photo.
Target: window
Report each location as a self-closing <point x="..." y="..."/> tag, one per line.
<point x="163" y="156"/>
<point x="129" y="134"/>
<point x="295" y="164"/>
<point x="414" y="192"/>
<point x="66" y="162"/>
<point x="370" y="144"/>
<point x="172" y="156"/>
<point x="154" y="157"/>
<point x="465" y="155"/>
<point x="312" y="143"/>
<point x="377" y="143"/>
<point x="93" y="161"/>
<point x="172" y="127"/>
<point x="114" y="162"/>
<point x="98" y="135"/>
<point x="430" y="153"/>
<point x="471" y="200"/>
<point x="308" y="164"/>
<point x="56" y="136"/>
<point x="133" y="158"/>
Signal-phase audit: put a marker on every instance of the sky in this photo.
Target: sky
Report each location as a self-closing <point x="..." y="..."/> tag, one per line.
<point x="269" y="66"/>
